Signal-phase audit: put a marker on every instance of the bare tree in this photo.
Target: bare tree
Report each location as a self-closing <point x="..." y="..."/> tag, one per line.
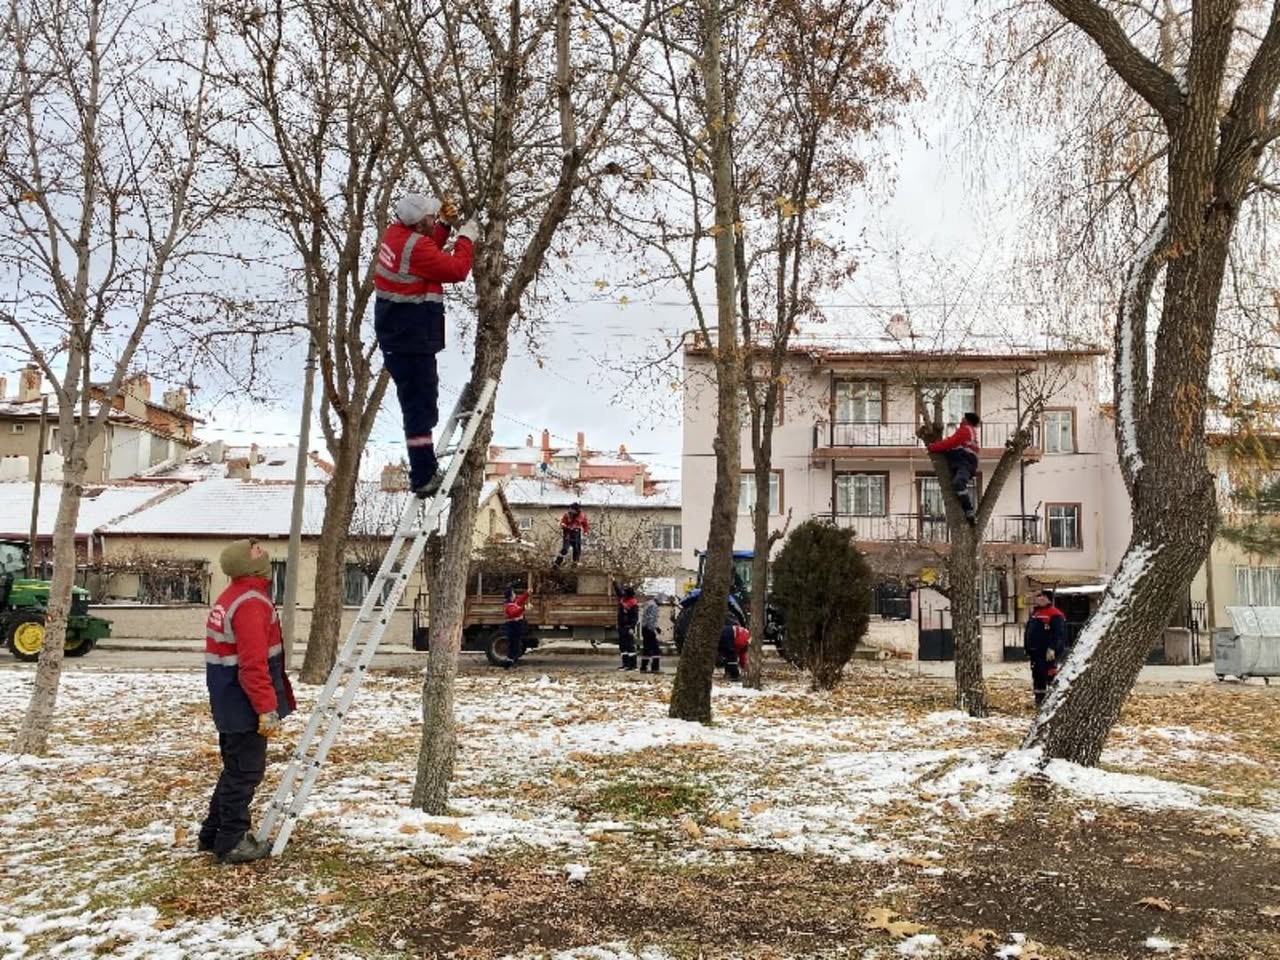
<point x="824" y="82"/>
<point x="110" y="231"/>
<point x="507" y="107"/>
<point x="1201" y="85"/>
<point x="324" y="160"/>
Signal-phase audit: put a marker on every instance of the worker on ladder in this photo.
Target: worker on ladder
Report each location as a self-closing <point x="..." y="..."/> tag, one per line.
<point x="408" y="315"/>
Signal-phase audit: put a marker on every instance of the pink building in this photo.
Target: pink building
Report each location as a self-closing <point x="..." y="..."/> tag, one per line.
<point x="845" y="449"/>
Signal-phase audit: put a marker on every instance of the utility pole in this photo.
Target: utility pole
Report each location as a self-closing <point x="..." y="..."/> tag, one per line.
<point x="35" y="496"/>
<point x="299" y="500"/>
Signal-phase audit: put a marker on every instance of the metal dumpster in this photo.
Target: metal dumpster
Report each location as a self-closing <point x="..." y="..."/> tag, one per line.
<point x="1251" y="647"/>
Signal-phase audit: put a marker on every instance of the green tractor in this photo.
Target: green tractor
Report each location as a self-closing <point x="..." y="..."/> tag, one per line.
<point x="22" y="609"/>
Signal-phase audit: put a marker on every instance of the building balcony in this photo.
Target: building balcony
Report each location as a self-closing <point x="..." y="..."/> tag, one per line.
<point x="847" y="440"/>
<point x="1011" y="533"/>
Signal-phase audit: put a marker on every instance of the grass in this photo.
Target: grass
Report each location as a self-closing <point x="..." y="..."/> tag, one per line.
<point x="646" y="800"/>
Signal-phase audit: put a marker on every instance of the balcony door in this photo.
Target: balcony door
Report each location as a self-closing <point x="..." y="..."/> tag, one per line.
<point x="858" y="413"/>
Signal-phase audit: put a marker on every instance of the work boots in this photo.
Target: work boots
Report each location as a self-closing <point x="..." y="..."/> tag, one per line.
<point x="246" y="851"/>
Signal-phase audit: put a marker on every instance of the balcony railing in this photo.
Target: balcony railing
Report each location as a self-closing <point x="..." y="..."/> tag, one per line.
<point x="849" y="433"/>
<point x="925" y="528"/>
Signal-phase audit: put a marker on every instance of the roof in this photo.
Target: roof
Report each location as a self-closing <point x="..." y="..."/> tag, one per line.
<point x="275" y="464"/>
<point x="538" y="492"/>
<point x="100" y="505"/>
<point x="30" y="410"/>
<point x="872" y="343"/>
<point x="250" y="508"/>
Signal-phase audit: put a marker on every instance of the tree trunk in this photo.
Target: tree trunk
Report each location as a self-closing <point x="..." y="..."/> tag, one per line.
<point x="754" y="675"/>
<point x="962" y="578"/>
<point x="448" y="587"/>
<point x="691" y="692"/>
<point x="33" y="735"/>
<point x="326" y="609"/>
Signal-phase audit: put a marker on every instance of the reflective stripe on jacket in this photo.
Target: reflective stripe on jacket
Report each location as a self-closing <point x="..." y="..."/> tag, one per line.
<point x="965" y="438"/>
<point x="244" y="657"/>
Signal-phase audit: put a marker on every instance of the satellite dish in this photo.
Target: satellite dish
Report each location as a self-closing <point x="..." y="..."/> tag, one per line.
<point x="898" y="327"/>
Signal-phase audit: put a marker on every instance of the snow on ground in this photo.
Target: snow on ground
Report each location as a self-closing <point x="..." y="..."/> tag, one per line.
<point x="546" y="764"/>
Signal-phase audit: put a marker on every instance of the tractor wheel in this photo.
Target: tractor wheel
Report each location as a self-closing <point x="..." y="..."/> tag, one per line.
<point x="495" y="648"/>
<point x="26" y="635"/>
<point x="77" y="645"/>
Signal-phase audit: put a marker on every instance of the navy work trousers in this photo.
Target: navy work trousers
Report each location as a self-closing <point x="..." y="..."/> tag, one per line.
<point x="417" y="387"/>
<point x="244" y="763"/>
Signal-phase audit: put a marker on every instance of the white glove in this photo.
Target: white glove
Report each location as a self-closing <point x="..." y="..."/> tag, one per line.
<point x="470" y="230"/>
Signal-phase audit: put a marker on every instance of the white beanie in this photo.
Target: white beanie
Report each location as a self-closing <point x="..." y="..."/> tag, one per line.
<point x="414" y="208"/>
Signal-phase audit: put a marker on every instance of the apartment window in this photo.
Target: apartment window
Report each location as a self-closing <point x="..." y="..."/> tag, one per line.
<point x="958" y="398"/>
<point x="525" y="524"/>
<point x="1064" y="526"/>
<point x="744" y="404"/>
<point x="278" y="568"/>
<point x="356" y="583"/>
<point x="1060" y="431"/>
<point x="930" y="493"/>
<point x="859" y="401"/>
<point x="17" y="428"/>
<point x="862" y="494"/>
<point x="667" y="536"/>
<point x="993" y="594"/>
<point x="747" y="493"/>
<point x="1258" y="586"/>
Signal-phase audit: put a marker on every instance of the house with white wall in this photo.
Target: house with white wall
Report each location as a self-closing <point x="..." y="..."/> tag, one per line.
<point x="845" y="449"/>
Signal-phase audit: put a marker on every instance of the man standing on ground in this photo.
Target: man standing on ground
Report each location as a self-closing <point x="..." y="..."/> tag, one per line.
<point x="650" y="652"/>
<point x="249" y="694"/>
<point x="628" y="616"/>
<point x="408" y="316"/>
<point x="962" y="449"/>
<point x="514" y="614"/>
<point x="1045" y="641"/>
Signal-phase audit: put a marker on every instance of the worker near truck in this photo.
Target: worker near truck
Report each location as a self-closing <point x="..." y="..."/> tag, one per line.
<point x="962" y="449"/>
<point x="628" y="616"/>
<point x="513" y="612"/>
<point x="249" y="694"/>
<point x="408" y="315"/>
<point x="650" y="652"/>
<point x="1045" y="642"/>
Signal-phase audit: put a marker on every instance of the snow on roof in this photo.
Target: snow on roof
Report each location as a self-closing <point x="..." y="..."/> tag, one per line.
<point x="609" y="460"/>
<point x="533" y="491"/>
<point x="30" y="409"/>
<point x="523" y="454"/>
<point x="248" y="508"/>
<point x="275" y="464"/>
<point x="99" y="506"/>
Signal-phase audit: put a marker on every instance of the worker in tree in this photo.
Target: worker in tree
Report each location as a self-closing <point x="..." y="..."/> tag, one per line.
<point x="573" y="527"/>
<point x="1045" y="641"/>
<point x="732" y="652"/>
<point x="249" y="694"/>
<point x="513" y="611"/>
<point x="650" y="652"/>
<point x="408" y="315"/>
<point x="962" y="449"/>
<point x="628" y="616"/>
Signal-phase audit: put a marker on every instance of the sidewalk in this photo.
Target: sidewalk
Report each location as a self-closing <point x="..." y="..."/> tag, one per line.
<point x="1156" y="674"/>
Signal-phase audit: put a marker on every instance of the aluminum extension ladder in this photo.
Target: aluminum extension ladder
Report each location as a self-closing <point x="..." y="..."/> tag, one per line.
<point x="416" y="524"/>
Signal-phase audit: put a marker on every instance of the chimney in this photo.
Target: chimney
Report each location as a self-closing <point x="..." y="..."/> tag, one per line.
<point x="140" y="386"/>
<point x="4" y="387"/>
<point x="238" y="469"/>
<point x="546" y="442"/>
<point x="622" y="451"/>
<point x="582" y="441"/>
<point x="528" y="440"/>
<point x="29" y="383"/>
<point x="639" y="484"/>
<point x="394" y="478"/>
<point x="176" y="400"/>
<point x="255" y="457"/>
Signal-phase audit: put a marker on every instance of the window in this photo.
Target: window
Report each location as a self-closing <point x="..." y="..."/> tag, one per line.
<point x="525" y="524"/>
<point x="17" y="428"/>
<point x="171" y="586"/>
<point x="277" y="580"/>
<point x="666" y="536"/>
<point x="859" y="401"/>
<point x="1059" y="431"/>
<point x="1064" y="526"/>
<point x="931" y="503"/>
<point x="744" y="404"/>
<point x="993" y="594"/>
<point x="958" y="398"/>
<point x="747" y="493"/>
<point x="1258" y="586"/>
<point x="862" y="494"/>
<point x="356" y="583"/>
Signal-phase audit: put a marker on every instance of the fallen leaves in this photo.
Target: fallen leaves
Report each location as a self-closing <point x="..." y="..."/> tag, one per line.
<point x="1272" y="910"/>
<point x="882" y="918"/>
<point x="1155" y="903"/>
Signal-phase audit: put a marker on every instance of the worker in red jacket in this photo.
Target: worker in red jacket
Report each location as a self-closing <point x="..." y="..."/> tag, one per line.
<point x="735" y="640"/>
<point x="249" y="694"/>
<point x="573" y="527"/>
<point x="1045" y="642"/>
<point x="408" y="315"/>
<point x="962" y="449"/>
<point x="513" y="612"/>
